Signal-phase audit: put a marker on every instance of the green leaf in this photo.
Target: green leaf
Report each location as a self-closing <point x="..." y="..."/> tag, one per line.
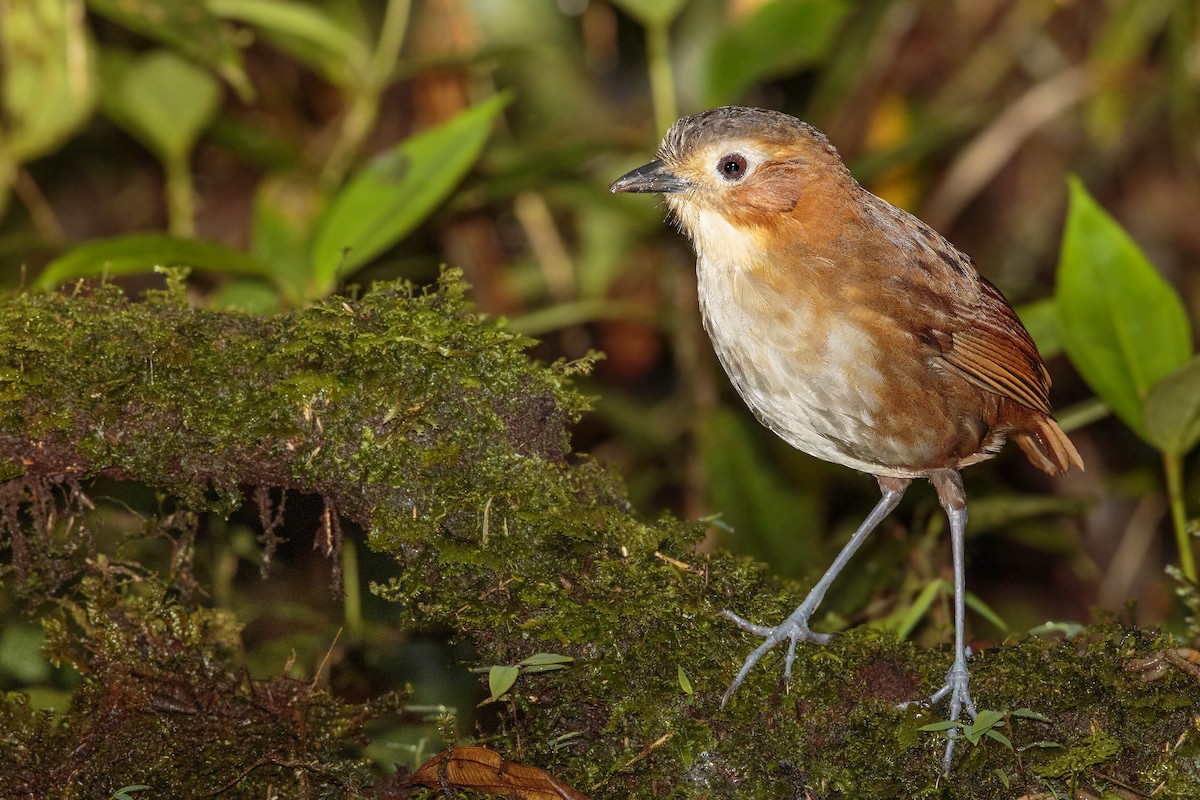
<point x="1172" y="410"/>
<point x="286" y="208"/>
<point x="544" y="662"/>
<point x="777" y="38"/>
<point x="246" y="294"/>
<point x="142" y="252"/>
<point x="21" y="656"/>
<point x="307" y="32"/>
<point x="500" y="679"/>
<point x="1040" y="318"/>
<point x="984" y="610"/>
<point x="300" y="20"/>
<point x="163" y="100"/>
<point x="1038" y="745"/>
<point x="189" y="27"/>
<point x="1029" y="713"/>
<point x="684" y="683"/>
<point x="124" y="792"/>
<point x="545" y="659"/>
<point x="983" y="725"/>
<point x="1068" y="629"/>
<point x="944" y="725"/>
<point x="1123" y="326"/>
<point x="774" y="520"/>
<point x="999" y="737"/>
<point x="987" y="718"/>
<point x="651" y="13"/>
<point x="920" y="606"/>
<point x="49" y="82"/>
<point x="394" y="193"/>
<point x="1002" y="776"/>
<point x="1001" y="511"/>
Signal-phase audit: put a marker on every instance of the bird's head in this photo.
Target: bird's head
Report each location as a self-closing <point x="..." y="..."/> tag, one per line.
<point x="751" y="167"/>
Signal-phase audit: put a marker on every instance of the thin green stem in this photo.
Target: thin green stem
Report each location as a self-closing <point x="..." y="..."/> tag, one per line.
<point x="391" y="38"/>
<point x="1173" y="467"/>
<point x="578" y="312"/>
<point x="181" y="199"/>
<point x="662" y="76"/>
<point x="363" y="105"/>
<point x="352" y="589"/>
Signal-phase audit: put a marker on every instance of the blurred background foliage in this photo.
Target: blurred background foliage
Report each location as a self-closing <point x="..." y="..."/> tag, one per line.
<point x="286" y="150"/>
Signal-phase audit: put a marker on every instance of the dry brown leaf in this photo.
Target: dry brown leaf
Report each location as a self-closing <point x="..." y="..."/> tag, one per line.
<point x="485" y="770"/>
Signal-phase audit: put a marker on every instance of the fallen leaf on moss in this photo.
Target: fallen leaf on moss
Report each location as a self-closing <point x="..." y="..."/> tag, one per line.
<point x="485" y="770"/>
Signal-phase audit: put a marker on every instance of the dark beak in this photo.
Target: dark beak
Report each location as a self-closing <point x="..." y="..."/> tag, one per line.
<point x="652" y="178"/>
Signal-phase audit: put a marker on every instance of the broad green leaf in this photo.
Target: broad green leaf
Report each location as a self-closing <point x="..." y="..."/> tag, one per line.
<point x="142" y="252"/>
<point x="773" y="520"/>
<point x="651" y="13"/>
<point x="1172" y="410"/>
<point x="49" y="82"/>
<point x="1041" y="320"/>
<point x="779" y="37"/>
<point x="986" y="719"/>
<point x="306" y="31"/>
<point x="1123" y="326"/>
<point x="1081" y="414"/>
<point x="246" y="294"/>
<point x="286" y="208"/>
<point x="300" y="20"/>
<point x="394" y="193"/>
<point x="163" y="100"/>
<point x="189" y="27"/>
<point x="500" y="679"/>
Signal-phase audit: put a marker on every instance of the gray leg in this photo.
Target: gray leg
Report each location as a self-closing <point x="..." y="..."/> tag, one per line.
<point x="795" y="627"/>
<point x="953" y="498"/>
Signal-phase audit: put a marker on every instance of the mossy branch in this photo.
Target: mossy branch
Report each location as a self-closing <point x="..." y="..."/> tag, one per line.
<point x="435" y="433"/>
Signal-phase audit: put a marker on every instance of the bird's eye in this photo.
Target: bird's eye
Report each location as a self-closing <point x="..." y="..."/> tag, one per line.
<point x="732" y="167"/>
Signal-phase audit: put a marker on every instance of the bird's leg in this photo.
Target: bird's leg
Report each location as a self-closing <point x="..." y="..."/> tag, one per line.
<point x="795" y="627"/>
<point x="953" y="498"/>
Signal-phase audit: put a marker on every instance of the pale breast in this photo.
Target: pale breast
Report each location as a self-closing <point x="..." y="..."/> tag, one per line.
<point x="803" y="365"/>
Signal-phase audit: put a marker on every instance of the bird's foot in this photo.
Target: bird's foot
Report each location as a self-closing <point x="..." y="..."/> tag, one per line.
<point x="960" y="700"/>
<point x="794" y="628"/>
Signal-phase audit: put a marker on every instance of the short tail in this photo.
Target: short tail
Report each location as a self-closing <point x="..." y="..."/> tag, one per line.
<point x="1045" y="444"/>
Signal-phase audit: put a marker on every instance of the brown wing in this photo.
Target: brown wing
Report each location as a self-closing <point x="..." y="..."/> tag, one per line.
<point x="996" y="352"/>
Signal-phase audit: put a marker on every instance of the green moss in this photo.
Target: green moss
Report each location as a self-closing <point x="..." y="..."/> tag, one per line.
<point x="165" y="702"/>
<point x="437" y="435"/>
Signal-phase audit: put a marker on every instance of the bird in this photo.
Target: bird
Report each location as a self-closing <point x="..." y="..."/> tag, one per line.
<point x="853" y="331"/>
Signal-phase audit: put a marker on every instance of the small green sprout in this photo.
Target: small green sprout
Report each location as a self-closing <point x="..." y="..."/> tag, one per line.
<point x="502" y="677"/>
<point x="986" y="724"/>
<point x="684" y="683"/>
<point x="124" y="792"/>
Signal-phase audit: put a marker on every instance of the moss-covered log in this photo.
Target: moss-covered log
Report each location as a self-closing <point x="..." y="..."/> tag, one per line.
<point x="434" y="432"/>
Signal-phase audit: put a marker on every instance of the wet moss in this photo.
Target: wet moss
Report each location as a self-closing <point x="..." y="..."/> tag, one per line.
<point x="164" y="702"/>
<point x="435" y="433"/>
